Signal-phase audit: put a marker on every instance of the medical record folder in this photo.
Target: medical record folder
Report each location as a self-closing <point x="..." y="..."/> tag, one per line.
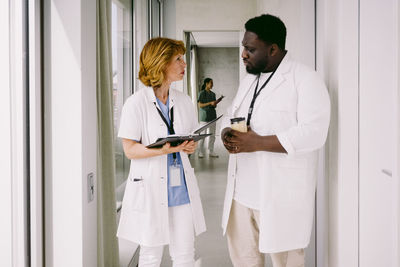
<point x="176" y="140"/>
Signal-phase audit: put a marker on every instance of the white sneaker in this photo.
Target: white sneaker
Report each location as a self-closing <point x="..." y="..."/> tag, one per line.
<point x="201" y="155"/>
<point x="213" y="155"/>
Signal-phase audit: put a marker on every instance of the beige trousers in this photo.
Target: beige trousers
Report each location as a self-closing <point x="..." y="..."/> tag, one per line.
<point x="243" y="234"/>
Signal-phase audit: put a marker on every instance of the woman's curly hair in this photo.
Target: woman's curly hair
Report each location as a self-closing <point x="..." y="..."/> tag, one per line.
<point x="156" y="55"/>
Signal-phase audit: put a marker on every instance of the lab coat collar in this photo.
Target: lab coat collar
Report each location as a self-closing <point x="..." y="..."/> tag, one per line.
<point x="279" y="77"/>
<point x="250" y="80"/>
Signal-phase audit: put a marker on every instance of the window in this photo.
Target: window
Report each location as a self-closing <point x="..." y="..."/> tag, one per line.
<point x="122" y="46"/>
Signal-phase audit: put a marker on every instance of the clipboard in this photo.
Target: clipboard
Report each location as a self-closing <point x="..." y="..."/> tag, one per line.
<point x="176" y="140"/>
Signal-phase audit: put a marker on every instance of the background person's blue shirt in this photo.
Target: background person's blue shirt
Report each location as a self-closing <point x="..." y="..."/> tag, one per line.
<point x="177" y="195"/>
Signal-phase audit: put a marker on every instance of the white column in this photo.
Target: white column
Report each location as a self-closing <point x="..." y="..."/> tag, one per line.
<point x="70" y="132"/>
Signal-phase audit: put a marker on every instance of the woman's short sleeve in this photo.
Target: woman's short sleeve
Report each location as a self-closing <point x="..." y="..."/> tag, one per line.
<point x="131" y="121"/>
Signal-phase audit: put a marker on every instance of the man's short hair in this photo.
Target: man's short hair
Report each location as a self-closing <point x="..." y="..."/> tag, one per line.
<point x="268" y="28"/>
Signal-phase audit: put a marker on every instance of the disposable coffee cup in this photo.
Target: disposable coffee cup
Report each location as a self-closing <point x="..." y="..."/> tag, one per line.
<point x="239" y="124"/>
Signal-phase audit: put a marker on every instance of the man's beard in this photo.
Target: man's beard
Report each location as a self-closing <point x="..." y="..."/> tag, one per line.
<point x="254" y="71"/>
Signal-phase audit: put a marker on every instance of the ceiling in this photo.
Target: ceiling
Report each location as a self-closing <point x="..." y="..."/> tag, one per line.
<point x="217" y="38"/>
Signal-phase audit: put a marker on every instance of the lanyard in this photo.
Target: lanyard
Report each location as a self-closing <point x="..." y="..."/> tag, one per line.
<point x="169" y="126"/>
<point x="255" y="95"/>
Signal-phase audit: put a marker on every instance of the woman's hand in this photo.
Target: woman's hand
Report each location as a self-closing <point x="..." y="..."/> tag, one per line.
<point x="188" y="147"/>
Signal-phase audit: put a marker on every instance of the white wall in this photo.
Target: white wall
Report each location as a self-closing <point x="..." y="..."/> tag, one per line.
<point x="363" y="138"/>
<point x="70" y="131"/>
<point x="337" y="61"/>
<point x="378" y="136"/>
<point x="222" y="15"/>
<point x="221" y="65"/>
<point x="298" y="17"/>
<point x="397" y="172"/>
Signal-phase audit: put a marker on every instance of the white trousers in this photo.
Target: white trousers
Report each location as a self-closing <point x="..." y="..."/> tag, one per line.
<point x="181" y="246"/>
<point x="211" y="138"/>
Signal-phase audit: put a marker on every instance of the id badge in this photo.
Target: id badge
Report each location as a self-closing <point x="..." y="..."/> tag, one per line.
<point x="175" y="175"/>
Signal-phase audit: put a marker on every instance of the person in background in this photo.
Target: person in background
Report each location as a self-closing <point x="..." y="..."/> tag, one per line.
<point x="273" y="166"/>
<point x="162" y="203"/>
<point x="207" y="103"/>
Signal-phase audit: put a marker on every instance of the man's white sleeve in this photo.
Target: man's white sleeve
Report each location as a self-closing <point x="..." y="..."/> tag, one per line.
<point x="313" y="115"/>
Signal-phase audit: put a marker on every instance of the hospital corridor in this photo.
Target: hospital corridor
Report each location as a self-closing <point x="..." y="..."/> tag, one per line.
<point x="101" y="105"/>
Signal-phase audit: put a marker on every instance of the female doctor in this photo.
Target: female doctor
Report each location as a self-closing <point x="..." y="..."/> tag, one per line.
<point x="162" y="203"/>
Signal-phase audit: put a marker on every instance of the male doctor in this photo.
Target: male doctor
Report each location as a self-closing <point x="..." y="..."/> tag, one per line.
<point x="269" y="201"/>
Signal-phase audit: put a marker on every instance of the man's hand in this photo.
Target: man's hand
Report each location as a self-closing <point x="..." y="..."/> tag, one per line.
<point x="236" y="142"/>
<point x="225" y="134"/>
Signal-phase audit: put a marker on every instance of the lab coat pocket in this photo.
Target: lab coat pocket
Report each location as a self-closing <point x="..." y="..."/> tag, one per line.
<point x="294" y="170"/>
<point x="135" y="194"/>
<point x="293" y="180"/>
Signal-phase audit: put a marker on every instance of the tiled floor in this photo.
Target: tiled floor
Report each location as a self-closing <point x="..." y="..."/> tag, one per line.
<point x="211" y="175"/>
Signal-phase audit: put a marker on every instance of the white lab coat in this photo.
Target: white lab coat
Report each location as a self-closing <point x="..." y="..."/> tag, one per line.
<point x="295" y="107"/>
<point x="144" y="214"/>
